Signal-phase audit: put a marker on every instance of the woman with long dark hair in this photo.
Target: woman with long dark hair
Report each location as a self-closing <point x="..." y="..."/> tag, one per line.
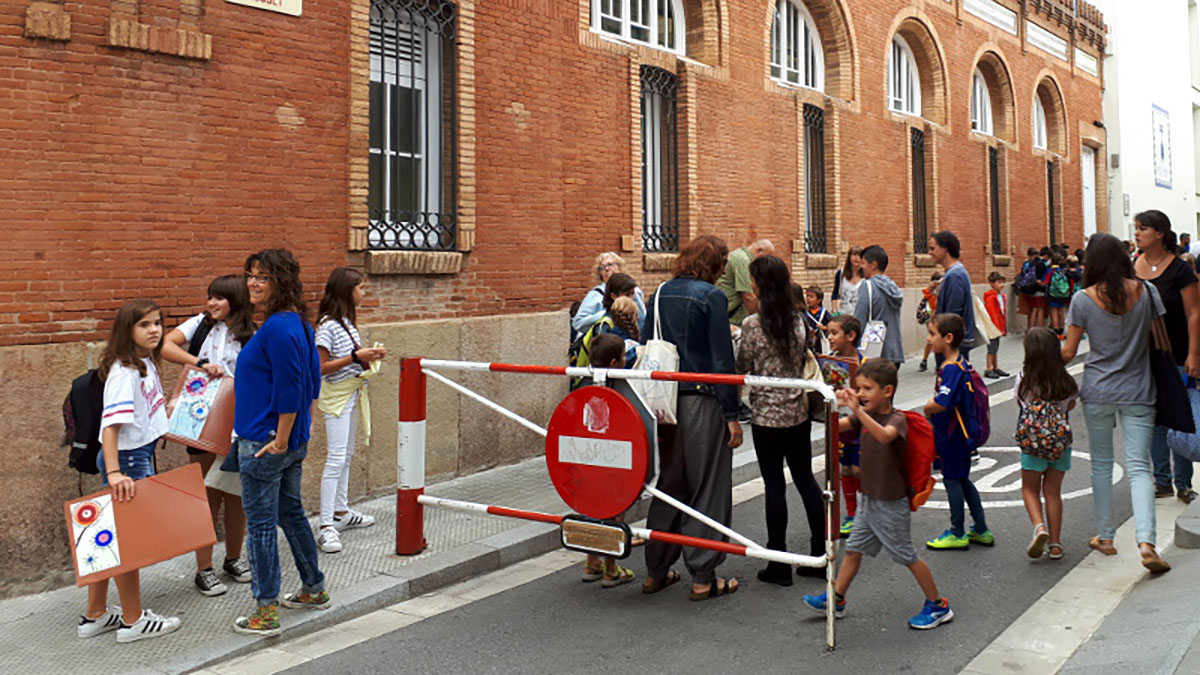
<point x="344" y="390"/>
<point x="212" y="341"/>
<point x="773" y="343"/>
<point x="1116" y="311"/>
<point x="279" y="376"/>
<point x="1176" y="283"/>
<point x="695" y="455"/>
<point x="846" y="282"/>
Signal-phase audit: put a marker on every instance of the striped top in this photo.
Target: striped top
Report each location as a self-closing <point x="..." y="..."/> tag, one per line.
<point x="136" y="404"/>
<point x="339" y="339"/>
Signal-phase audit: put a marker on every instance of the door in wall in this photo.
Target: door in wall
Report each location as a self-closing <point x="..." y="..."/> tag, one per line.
<point x="1088" y="161"/>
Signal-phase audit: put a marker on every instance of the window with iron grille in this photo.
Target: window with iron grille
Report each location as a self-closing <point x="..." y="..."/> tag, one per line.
<point x="920" y="221"/>
<point x="814" y="179"/>
<point x="1050" y="201"/>
<point x="660" y="167"/>
<point x="994" y="182"/>
<point x="411" y="164"/>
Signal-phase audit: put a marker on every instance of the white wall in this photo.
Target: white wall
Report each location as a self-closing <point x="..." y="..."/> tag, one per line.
<point x="1150" y="63"/>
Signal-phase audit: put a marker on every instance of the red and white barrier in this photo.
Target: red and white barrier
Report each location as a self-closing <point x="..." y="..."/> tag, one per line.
<point x="411" y="497"/>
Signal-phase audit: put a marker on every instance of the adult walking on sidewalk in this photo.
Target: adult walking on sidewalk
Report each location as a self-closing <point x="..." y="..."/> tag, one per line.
<point x="695" y="455"/>
<point x="773" y="343"/>
<point x="1116" y="311"/>
<point x="954" y="293"/>
<point x="279" y="377"/>
<point x="1176" y="283"/>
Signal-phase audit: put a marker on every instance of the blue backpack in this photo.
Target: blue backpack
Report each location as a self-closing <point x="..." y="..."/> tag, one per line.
<point x="975" y="417"/>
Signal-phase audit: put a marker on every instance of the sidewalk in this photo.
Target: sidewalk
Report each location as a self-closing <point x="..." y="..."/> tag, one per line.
<point x="37" y="632"/>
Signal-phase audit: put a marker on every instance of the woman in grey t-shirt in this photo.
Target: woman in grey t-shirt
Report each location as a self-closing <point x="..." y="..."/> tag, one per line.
<point x="1116" y="310"/>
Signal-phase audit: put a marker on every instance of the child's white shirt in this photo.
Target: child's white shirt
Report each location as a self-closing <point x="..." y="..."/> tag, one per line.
<point x="220" y="347"/>
<point x="1064" y="404"/>
<point x="135" y="403"/>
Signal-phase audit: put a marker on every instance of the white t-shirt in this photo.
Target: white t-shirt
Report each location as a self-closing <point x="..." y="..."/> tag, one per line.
<point x="1065" y="405"/>
<point x="220" y="347"/>
<point x="338" y="338"/>
<point x="135" y="403"/>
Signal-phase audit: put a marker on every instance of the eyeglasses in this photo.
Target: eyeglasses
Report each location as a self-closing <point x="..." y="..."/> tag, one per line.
<point x="257" y="278"/>
<point x="609" y="266"/>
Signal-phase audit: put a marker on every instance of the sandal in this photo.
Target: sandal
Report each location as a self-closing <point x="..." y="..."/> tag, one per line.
<point x="654" y="585"/>
<point x="1038" y="545"/>
<point x="617" y="577"/>
<point x="715" y="590"/>
<point x="1051" y="548"/>
<point x="1152" y="561"/>
<point x="1105" y="546"/>
<point x="591" y="574"/>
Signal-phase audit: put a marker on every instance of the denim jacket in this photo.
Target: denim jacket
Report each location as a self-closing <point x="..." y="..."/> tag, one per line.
<point x="695" y="318"/>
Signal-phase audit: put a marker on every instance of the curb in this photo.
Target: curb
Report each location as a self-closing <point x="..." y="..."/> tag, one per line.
<point x="444" y="568"/>
<point x="1187" y="527"/>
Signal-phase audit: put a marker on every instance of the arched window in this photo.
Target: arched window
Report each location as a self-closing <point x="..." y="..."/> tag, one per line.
<point x="904" y="81"/>
<point x="657" y="23"/>
<point x="796" y="54"/>
<point x="1039" y="124"/>
<point x="981" y="105"/>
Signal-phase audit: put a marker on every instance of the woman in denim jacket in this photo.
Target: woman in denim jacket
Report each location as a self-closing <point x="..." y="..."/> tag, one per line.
<point x="696" y="455"/>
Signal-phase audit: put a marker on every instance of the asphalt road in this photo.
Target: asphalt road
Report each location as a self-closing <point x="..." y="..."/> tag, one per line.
<point x="556" y="624"/>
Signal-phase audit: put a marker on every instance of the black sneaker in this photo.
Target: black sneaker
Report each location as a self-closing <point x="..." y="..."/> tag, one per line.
<point x="1163" y="491"/>
<point x="237" y="569"/>
<point x="923" y="366"/>
<point x="991" y="374"/>
<point x="1001" y="373"/>
<point x="1186" y="495"/>
<point x="776" y="573"/>
<point x="208" y="584"/>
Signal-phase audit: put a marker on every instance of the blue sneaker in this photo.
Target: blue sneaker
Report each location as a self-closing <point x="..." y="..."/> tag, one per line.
<point x="818" y="604"/>
<point x="932" y="615"/>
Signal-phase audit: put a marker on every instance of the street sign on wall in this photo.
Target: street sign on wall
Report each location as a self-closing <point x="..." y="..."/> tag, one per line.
<point x="291" y="7"/>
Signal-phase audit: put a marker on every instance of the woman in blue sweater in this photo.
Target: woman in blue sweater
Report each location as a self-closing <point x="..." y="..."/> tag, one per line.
<point x="279" y="376"/>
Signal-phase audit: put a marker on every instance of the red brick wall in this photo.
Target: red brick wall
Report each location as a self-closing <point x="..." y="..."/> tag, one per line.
<point x="133" y="174"/>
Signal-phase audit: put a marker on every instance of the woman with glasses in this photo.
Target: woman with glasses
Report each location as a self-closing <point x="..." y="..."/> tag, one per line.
<point x="591" y="308"/>
<point x="279" y="376"/>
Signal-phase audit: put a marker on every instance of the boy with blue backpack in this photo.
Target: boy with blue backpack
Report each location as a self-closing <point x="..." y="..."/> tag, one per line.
<point x="958" y="414"/>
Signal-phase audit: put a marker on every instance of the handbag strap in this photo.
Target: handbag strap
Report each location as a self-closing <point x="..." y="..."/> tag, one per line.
<point x="870" y="302"/>
<point x="657" y="316"/>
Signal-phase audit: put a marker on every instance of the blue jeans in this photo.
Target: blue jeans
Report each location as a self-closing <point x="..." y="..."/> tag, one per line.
<point x="1163" y="458"/>
<point x="1137" y="425"/>
<point x="959" y="490"/>
<point x="270" y="496"/>
<point x="137" y="463"/>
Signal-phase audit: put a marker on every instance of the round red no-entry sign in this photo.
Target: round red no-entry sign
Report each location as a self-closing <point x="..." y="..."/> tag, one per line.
<point x="597" y="451"/>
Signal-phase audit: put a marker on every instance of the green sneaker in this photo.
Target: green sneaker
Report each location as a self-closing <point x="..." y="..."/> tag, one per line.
<point x="949" y="542"/>
<point x="985" y="538"/>
<point x="304" y="600"/>
<point x="847" y="525"/>
<point x="264" y="622"/>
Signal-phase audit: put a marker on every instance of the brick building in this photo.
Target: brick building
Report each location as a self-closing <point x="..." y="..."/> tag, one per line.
<point x="474" y="157"/>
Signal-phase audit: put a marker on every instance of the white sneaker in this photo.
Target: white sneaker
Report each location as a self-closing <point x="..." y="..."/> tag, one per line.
<point x="328" y="540"/>
<point x="352" y="520"/>
<point x="110" y="620"/>
<point x="150" y="625"/>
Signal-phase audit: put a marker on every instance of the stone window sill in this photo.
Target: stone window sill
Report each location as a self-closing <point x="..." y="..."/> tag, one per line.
<point x="414" y="262"/>
<point x="820" y="261"/>
<point x="658" y="262"/>
<point x="1002" y="260"/>
<point x="924" y="260"/>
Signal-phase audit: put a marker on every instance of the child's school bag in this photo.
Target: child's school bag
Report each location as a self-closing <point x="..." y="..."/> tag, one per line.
<point x="976" y="423"/>
<point x="1043" y="430"/>
<point x="1027" y="281"/>
<point x="81" y="421"/>
<point x="918" y="459"/>
<point x="923" y="313"/>
<point x="1060" y="286"/>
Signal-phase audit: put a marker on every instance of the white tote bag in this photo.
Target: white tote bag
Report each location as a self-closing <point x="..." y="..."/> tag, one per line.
<point x="659" y="396"/>
<point x="875" y="332"/>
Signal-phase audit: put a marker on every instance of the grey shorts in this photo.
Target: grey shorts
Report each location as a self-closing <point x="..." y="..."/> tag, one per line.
<point x="994" y="346"/>
<point x="882" y="525"/>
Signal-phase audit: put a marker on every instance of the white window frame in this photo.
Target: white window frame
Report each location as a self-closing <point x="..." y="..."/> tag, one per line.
<point x="1045" y="40"/>
<point x="994" y="13"/>
<point x="402" y="73"/>
<point x="981" y="105"/>
<point x="1040" y="129"/>
<point x="797" y="57"/>
<point x="904" y="80"/>
<point x="631" y="21"/>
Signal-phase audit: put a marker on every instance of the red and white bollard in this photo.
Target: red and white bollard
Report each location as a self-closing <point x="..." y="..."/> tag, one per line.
<point x="410" y="460"/>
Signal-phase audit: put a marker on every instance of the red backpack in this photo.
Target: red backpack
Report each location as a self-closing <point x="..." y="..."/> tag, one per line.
<point x="918" y="459"/>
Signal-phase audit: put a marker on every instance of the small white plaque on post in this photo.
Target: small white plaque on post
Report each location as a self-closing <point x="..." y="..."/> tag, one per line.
<point x="291" y="7"/>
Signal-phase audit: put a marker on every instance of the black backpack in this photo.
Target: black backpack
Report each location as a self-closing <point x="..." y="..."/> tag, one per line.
<point x="199" y="336"/>
<point x="81" y="421"/>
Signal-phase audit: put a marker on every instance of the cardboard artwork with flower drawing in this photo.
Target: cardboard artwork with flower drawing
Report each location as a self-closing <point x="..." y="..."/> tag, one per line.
<point x="200" y="411"/>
